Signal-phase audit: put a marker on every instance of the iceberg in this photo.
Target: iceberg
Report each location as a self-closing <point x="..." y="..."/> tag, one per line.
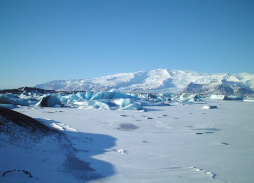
<point x="88" y="95"/>
<point x="210" y="107"/>
<point x="218" y="97"/>
<point x="72" y="97"/>
<point x="4" y="99"/>
<point x="25" y="96"/>
<point x="10" y="95"/>
<point x="64" y="99"/>
<point x="157" y="100"/>
<point x="186" y="97"/>
<point x="101" y="105"/>
<point x="81" y="95"/>
<point x="124" y="102"/>
<point x="96" y="105"/>
<point x="20" y="101"/>
<point x="112" y="94"/>
<point x="49" y="101"/>
<point x="233" y="97"/>
<point x="8" y="106"/>
<point x="249" y="99"/>
<point x="133" y="106"/>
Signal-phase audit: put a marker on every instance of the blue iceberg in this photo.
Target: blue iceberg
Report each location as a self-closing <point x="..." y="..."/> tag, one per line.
<point x="81" y="95"/>
<point x="8" y="106"/>
<point x="96" y="105"/>
<point x="133" y="106"/>
<point x="4" y="99"/>
<point x="186" y="97"/>
<point x="218" y="97"/>
<point x="233" y="97"/>
<point x="112" y="94"/>
<point x="124" y="102"/>
<point x="20" y="101"/>
<point x="88" y="95"/>
<point x="49" y="101"/>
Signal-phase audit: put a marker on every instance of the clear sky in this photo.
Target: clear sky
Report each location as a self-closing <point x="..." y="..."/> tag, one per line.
<point x="45" y="40"/>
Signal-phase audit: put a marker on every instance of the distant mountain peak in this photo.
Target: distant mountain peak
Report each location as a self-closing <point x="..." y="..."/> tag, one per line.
<point x="160" y="79"/>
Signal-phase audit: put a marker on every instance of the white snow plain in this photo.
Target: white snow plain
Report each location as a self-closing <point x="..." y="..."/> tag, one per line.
<point x="177" y="143"/>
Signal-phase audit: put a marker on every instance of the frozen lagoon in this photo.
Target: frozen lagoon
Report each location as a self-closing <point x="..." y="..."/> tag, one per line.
<point x="177" y="143"/>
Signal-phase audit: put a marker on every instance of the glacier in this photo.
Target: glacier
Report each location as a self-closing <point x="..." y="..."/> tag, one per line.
<point x="160" y="80"/>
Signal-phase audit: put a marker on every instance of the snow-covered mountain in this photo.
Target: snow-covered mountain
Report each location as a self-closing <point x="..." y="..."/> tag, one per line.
<point x="160" y="79"/>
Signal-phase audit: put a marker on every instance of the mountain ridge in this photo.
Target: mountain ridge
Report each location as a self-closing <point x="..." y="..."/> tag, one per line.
<point x="159" y="79"/>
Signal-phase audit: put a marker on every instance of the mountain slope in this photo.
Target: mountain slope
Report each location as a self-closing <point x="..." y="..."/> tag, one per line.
<point x="150" y="80"/>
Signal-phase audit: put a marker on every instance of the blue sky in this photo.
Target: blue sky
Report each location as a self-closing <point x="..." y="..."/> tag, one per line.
<point x="50" y="40"/>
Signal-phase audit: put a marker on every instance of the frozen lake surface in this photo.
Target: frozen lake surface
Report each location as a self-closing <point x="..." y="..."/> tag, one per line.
<point x="177" y="143"/>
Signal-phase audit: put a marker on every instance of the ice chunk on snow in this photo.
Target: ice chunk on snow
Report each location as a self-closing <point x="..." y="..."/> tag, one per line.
<point x="209" y="107"/>
<point x="249" y="99"/>
<point x="96" y="105"/>
<point x="134" y="106"/>
<point x="186" y="97"/>
<point x="121" y="151"/>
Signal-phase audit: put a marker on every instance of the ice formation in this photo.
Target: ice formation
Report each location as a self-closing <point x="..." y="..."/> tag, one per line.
<point x="218" y="97"/>
<point x="49" y="101"/>
<point x="209" y="107"/>
<point x="186" y="97"/>
<point x="8" y="106"/>
<point x="133" y="106"/>
<point x="224" y="97"/>
<point x="112" y="94"/>
<point x="233" y="97"/>
<point x="124" y="102"/>
<point x="20" y="101"/>
<point x="88" y="95"/>
<point x="4" y="99"/>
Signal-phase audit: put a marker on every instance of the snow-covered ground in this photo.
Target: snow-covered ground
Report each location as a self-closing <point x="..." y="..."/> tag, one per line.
<point x="176" y="143"/>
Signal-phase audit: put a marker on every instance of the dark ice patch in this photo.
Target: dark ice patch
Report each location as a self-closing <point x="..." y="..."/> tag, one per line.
<point x="223" y="143"/>
<point x="127" y="116"/>
<point x="199" y="133"/>
<point x="127" y="127"/>
<point x="146" y="142"/>
<point x="207" y="129"/>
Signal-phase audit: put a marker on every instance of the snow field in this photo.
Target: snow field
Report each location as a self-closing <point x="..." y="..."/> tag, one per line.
<point x="177" y="143"/>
